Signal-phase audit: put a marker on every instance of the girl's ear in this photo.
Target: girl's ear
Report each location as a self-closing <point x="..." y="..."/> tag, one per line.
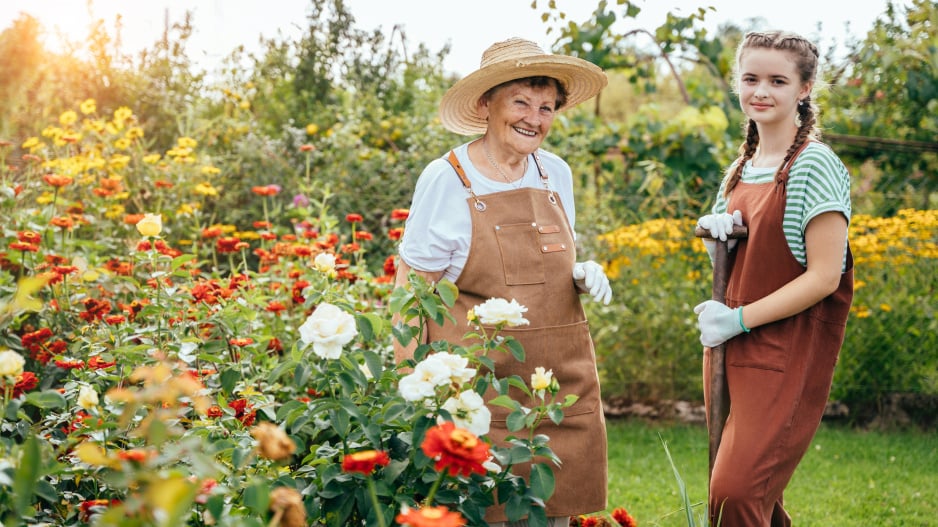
<point x="805" y="90"/>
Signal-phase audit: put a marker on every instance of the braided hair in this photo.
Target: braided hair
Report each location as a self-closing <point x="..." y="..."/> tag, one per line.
<point x="805" y="55"/>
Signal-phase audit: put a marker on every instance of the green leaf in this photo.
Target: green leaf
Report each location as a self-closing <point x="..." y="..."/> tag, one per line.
<point x="448" y="292"/>
<point x="27" y="473"/>
<point x="542" y="481"/>
<point x="179" y="261"/>
<point x="229" y="378"/>
<point x="399" y="299"/>
<point x="516" y="349"/>
<point x="365" y="327"/>
<point x="257" y="498"/>
<point x="556" y="415"/>
<point x="505" y="401"/>
<point x="46" y="399"/>
<point x="515" y="421"/>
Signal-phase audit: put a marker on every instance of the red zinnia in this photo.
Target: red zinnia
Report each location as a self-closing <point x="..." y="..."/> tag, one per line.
<point x="275" y="306"/>
<point x="241" y="342"/>
<point x="395" y="233"/>
<point x="24" y="382"/>
<point x="400" y="214"/>
<point x="363" y="235"/>
<point x="354" y="218"/>
<point x="457" y="450"/>
<point x="97" y="363"/>
<point x="364" y="462"/>
<point x="266" y="190"/>
<point x="430" y="517"/>
<point x="214" y="411"/>
<point x="623" y="518"/>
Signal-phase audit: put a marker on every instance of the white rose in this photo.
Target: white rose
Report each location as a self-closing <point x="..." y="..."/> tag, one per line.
<point x="328" y="329"/>
<point x="87" y="397"/>
<point x="540" y="379"/>
<point x="324" y="263"/>
<point x="414" y="388"/>
<point x="459" y="374"/>
<point x="11" y="363"/>
<point x="468" y="411"/>
<point x="495" y="311"/>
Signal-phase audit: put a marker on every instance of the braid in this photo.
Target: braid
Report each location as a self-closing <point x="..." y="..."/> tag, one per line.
<point x="746" y="151"/>
<point x="806" y="128"/>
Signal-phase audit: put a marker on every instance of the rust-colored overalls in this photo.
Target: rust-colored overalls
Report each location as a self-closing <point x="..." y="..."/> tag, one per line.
<point x="779" y="375"/>
<point x="522" y="248"/>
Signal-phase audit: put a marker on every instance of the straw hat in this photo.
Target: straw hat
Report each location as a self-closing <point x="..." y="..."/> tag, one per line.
<point x="512" y="59"/>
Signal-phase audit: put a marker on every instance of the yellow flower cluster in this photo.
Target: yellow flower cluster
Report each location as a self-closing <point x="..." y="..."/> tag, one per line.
<point x="657" y="239"/>
<point x="898" y="240"/>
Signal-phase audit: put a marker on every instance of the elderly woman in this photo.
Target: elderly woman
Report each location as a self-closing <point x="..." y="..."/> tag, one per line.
<point x="495" y="216"/>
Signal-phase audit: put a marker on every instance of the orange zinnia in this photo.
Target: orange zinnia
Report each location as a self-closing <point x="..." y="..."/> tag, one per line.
<point x="430" y="517"/>
<point x="457" y="450"/>
<point x="364" y="462"/>
<point x="57" y="181"/>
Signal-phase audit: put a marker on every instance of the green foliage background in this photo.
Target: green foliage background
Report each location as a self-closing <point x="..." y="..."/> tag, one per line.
<point x="653" y="146"/>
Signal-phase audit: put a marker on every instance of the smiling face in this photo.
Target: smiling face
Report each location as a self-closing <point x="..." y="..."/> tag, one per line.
<point x="519" y="115"/>
<point x="770" y="86"/>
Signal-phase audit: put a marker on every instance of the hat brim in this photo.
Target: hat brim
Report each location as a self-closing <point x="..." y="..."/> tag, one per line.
<point x="459" y="106"/>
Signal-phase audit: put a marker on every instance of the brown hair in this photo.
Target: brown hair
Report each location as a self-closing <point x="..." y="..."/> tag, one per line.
<point x="534" y="82"/>
<point x="806" y="61"/>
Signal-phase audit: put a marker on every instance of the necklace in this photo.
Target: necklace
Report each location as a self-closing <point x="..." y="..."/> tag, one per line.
<point x="498" y="167"/>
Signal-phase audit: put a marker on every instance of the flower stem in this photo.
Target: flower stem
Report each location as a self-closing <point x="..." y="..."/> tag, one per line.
<point x="436" y="485"/>
<point x="374" y="500"/>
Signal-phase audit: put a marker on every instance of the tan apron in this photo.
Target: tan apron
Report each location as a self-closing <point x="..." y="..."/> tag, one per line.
<point x="522" y="248"/>
<point x="779" y="375"/>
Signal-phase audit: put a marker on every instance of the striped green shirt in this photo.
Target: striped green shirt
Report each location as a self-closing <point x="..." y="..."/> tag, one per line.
<point x="818" y="182"/>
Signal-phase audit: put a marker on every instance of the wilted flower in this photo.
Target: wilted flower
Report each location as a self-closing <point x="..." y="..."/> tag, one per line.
<point x="496" y="311"/>
<point x="287" y="505"/>
<point x="150" y="225"/>
<point x="328" y="329"/>
<point x="468" y="411"/>
<point x="272" y="442"/>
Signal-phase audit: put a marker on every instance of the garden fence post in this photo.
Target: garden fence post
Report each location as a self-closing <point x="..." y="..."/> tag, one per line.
<point x="719" y="404"/>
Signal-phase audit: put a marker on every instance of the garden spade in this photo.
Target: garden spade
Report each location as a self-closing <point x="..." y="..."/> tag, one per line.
<point x="719" y="404"/>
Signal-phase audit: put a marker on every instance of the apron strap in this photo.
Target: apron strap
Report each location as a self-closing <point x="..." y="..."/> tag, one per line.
<point x="461" y="172"/>
<point x="782" y="175"/>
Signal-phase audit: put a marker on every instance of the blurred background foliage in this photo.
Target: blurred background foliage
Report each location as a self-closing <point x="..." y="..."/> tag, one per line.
<point x="347" y="117"/>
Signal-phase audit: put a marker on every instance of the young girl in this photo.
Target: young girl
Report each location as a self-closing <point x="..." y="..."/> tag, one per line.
<point x="790" y="284"/>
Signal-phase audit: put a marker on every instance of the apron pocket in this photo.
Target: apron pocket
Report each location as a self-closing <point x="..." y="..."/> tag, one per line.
<point x="566" y="350"/>
<point x="767" y="347"/>
<point x="520" y="253"/>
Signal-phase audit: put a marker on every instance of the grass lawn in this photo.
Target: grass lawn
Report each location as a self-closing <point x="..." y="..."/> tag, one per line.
<point x="847" y="478"/>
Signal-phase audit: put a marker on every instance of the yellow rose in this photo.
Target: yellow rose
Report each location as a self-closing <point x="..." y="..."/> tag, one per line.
<point x="87" y="397"/>
<point x="150" y="225"/>
<point x="540" y="379"/>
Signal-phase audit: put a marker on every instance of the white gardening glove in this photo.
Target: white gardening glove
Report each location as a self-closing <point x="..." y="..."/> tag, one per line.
<point x="590" y="277"/>
<point x="720" y="226"/>
<point x="718" y="323"/>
